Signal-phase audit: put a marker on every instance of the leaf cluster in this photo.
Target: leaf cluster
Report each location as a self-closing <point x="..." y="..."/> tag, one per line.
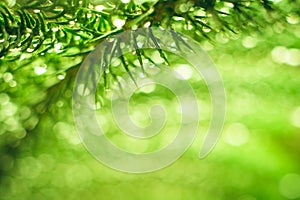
<point x="43" y="26"/>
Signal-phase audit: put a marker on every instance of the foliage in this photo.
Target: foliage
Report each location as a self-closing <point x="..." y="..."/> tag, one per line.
<point x="43" y="26"/>
<point x="31" y="30"/>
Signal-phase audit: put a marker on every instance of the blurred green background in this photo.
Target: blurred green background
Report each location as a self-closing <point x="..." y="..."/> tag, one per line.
<point x="257" y="156"/>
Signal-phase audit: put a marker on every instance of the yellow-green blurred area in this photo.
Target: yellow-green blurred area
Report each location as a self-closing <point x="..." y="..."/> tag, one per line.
<point x="256" y="158"/>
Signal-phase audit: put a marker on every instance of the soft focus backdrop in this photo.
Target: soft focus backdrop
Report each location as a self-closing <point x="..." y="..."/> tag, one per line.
<point x="257" y="156"/>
